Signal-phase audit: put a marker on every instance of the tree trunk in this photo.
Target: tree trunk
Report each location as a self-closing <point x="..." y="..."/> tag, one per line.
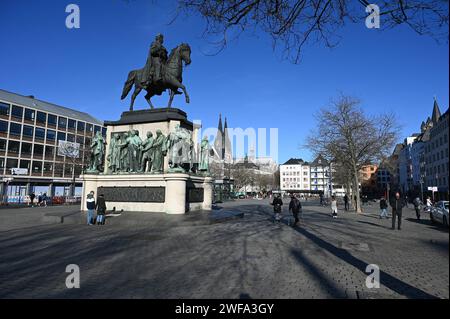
<point x="356" y="191"/>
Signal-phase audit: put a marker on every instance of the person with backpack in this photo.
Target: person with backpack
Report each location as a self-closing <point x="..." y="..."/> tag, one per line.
<point x="101" y="210"/>
<point x="277" y="203"/>
<point x="90" y="205"/>
<point x="295" y="207"/>
<point x="383" y="207"/>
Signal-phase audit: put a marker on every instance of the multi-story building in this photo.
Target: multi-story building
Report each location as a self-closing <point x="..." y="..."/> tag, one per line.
<point x="383" y="179"/>
<point x="295" y="176"/>
<point x="405" y="162"/>
<point x="436" y="154"/>
<point x="320" y="170"/>
<point x="30" y="132"/>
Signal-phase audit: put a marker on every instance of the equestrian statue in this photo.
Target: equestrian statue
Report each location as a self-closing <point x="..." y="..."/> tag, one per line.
<point x="161" y="72"/>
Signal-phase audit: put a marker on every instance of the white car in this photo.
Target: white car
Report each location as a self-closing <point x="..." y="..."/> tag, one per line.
<point x="439" y="213"/>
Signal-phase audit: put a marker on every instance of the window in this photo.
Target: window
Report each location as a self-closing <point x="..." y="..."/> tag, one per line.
<point x="68" y="168"/>
<point x="2" y="144"/>
<point x="49" y="151"/>
<point x="12" y="163"/>
<point x="25" y="164"/>
<point x="80" y="126"/>
<point x="51" y="135"/>
<point x="58" y="169"/>
<point x="96" y="129"/>
<point x="104" y="131"/>
<point x="3" y="126"/>
<point x="13" y="147"/>
<point x="62" y="123"/>
<point x="51" y="120"/>
<point x="17" y="112"/>
<point x="41" y="118"/>
<point x="28" y="131"/>
<point x="38" y="150"/>
<point x="70" y="137"/>
<point x="29" y="114"/>
<point x="80" y="140"/>
<point x="89" y="129"/>
<point x="39" y="133"/>
<point x="48" y="168"/>
<point x="2" y="164"/>
<point x="61" y="136"/>
<point x="15" y="129"/>
<point x="26" y="148"/>
<point x="72" y="124"/>
<point x="37" y="167"/>
<point x="4" y="109"/>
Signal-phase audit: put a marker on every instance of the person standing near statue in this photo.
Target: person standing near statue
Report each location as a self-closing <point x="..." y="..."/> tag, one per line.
<point x="158" y="150"/>
<point x="157" y="57"/>
<point x="147" y="151"/>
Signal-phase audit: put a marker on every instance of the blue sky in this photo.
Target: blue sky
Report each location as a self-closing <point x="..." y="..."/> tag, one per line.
<point x="392" y="71"/>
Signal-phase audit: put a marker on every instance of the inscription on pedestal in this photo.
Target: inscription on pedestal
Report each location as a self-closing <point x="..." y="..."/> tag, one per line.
<point x="133" y="194"/>
<point x="195" y="195"/>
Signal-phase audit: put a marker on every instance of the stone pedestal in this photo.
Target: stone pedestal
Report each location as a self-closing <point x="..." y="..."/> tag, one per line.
<point x="168" y="193"/>
<point x="172" y="193"/>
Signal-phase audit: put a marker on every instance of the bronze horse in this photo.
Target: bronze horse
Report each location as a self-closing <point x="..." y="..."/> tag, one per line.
<point x="171" y="78"/>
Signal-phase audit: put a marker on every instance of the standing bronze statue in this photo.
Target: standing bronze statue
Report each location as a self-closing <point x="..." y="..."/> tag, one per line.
<point x="97" y="151"/>
<point x="147" y="157"/>
<point x="160" y="73"/>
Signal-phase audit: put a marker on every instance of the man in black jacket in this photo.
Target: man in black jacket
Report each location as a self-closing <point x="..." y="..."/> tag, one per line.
<point x="277" y="203"/>
<point x="397" y="204"/>
<point x="295" y="206"/>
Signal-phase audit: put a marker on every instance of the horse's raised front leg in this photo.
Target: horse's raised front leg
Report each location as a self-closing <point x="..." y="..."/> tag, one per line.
<point x="174" y="82"/>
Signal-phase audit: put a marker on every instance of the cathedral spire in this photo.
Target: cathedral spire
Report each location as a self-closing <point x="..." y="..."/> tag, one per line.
<point x="436" y="112"/>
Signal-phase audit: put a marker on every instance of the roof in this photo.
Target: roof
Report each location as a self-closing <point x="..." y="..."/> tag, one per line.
<point x="31" y="102"/>
<point x="436" y="112"/>
<point x="320" y="161"/>
<point x="295" y="161"/>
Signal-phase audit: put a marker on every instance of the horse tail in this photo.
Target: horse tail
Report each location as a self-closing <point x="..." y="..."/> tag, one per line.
<point x="128" y="84"/>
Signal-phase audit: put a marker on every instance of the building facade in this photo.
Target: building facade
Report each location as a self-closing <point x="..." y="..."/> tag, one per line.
<point x="436" y="155"/>
<point x="295" y="176"/>
<point x="320" y="172"/>
<point x="30" y="132"/>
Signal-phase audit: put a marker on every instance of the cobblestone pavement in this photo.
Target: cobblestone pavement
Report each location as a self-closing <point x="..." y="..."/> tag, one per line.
<point x="249" y="257"/>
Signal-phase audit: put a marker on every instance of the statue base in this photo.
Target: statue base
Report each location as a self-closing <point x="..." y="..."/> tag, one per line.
<point x="171" y="193"/>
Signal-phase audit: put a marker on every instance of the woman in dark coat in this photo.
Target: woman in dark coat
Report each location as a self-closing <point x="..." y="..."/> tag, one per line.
<point x="101" y="210"/>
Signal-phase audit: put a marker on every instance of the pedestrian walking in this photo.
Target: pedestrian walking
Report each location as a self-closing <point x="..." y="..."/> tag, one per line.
<point x="295" y="207"/>
<point x="346" y="202"/>
<point x="321" y="199"/>
<point x="383" y="207"/>
<point x="397" y="204"/>
<point x="32" y="197"/>
<point x="334" y="208"/>
<point x="429" y="204"/>
<point x="39" y="199"/>
<point x="44" y="199"/>
<point x="90" y="205"/>
<point x="101" y="210"/>
<point x="417" y="205"/>
<point x="277" y="203"/>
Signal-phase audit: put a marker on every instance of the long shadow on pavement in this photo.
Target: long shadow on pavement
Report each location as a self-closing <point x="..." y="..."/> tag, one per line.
<point x="386" y="279"/>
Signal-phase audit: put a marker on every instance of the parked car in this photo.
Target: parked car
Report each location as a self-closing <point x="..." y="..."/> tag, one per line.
<point x="439" y="213"/>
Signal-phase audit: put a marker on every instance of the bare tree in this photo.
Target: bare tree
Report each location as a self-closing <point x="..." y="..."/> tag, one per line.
<point x="346" y="135"/>
<point x="293" y="23"/>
